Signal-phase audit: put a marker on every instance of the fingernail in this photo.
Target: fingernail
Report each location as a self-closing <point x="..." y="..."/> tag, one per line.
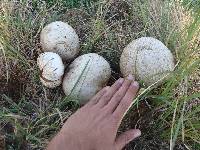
<point x="107" y="87"/>
<point x="135" y="84"/>
<point x="137" y="133"/>
<point x="121" y="80"/>
<point x="130" y="77"/>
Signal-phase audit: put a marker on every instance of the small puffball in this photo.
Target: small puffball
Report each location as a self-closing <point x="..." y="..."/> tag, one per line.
<point x="148" y="59"/>
<point x="51" y="69"/>
<point x="61" y="38"/>
<point x="86" y="75"/>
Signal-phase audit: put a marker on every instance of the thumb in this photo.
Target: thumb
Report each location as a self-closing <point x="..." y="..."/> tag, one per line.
<point x="126" y="137"/>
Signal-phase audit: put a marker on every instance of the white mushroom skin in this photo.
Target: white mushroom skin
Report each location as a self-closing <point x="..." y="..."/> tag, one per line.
<point x="51" y="69"/>
<point x="148" y="59"/>
<point x="61" y="38"/>
<point x="86" y="76"/>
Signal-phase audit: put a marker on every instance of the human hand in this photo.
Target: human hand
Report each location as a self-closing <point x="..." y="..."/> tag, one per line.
<point x="95" y="125"/>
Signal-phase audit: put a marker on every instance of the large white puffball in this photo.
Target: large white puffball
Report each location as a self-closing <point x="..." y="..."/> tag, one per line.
<point x="61" y="38"/>
<point x="86" y="75"/>
<point x="148" y="59"/>
<point x="51" y="69"/>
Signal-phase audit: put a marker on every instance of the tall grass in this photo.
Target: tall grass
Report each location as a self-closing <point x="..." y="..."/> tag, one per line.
<point x="194" y="5"/>
<point x="28" y="121"/>
<point x="71" y="3"/>
<point x="180" y="32"/>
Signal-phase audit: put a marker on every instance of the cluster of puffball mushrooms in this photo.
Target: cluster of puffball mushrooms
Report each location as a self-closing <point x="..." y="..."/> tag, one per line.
<point x="146" y="58"/>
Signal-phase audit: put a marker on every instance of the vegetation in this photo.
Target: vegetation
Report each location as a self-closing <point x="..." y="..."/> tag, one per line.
<point x="167" y="114"/>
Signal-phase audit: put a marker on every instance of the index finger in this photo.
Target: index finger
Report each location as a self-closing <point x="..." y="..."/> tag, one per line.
<point x="126" y="102"/>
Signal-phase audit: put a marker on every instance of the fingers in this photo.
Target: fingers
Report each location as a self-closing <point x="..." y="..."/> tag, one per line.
<point x="126" y="137"/>
<point x="113" y="103"/>
<point x="112" y="90"/>
<point x="96" y="98"/>
<point x="126" y="101"/>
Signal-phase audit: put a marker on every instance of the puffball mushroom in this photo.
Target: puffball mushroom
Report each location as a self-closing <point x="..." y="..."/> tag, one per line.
<point x="87" y="74"/>
<point x="61" y="38"/>
<point x="148" y="59"/>
<point x="51" y="69"/>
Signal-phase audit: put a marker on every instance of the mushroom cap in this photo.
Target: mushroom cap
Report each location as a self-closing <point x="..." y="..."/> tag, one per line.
<point x="51" y="69"/>
<point x="61" y="38"/>
<point x="148" y="59"/>
<point x="86" y="76"/>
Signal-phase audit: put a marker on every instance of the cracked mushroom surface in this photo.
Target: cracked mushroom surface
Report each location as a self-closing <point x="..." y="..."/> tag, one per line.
<point x="61" y="38"/>
<point x="86" y="75"/>
<point x="51" y="69"/>
<point x="148" y="59"/>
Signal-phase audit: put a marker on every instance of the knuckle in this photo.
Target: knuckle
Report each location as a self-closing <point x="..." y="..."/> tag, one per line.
<point x="124" y="105"/>
<point x="119" y="95"/>
<point x="116" y="86"/>
<point x="107" y="95"/>
<point x="115" y="118"/>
